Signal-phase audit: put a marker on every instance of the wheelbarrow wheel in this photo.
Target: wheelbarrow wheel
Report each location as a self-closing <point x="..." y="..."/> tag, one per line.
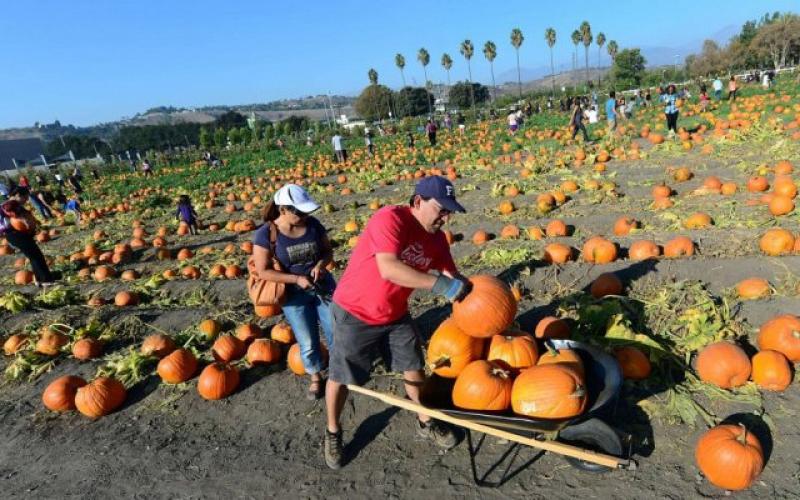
<point x="594" y="435"/>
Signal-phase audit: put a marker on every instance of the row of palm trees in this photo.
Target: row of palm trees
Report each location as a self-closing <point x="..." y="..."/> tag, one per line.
<point x="581" y="35"/>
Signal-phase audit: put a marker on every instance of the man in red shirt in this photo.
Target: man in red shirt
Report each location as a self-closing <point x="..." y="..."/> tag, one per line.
<point x="401" y="249"/>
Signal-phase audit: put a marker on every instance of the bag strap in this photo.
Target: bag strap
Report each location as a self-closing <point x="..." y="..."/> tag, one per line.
<point x="273" y="238"/>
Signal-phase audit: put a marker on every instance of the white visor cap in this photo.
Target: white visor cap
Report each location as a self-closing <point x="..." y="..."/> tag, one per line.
<point x="297" y="197"/>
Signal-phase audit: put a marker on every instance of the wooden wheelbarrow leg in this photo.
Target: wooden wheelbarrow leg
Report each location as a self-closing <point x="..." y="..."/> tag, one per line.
<point x="554" y="446"/>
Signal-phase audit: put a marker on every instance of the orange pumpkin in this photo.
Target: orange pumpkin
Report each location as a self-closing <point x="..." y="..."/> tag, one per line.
<point x="217" y="381"/>
<point x="606" y="284"/>
<point x="598" y="250"/>
<point x="698" y="220"/>
<point x="177" y="367"/>
<point x="483" y="385"/>
<point x="14" y="344"/>
<point x="780" y="205"/>
<point x="624" y="225"/>
<point x="450" y="349"/>
<point x="723" y="364"/>
<point x="227" y="348"/>
<point x="487" y="310"/>
<point x="557" y="253"/>
<point x="51" y="341"/>
<point x="158" y="345"/>
<point x="100" y="397"/>
<point x="678" y="247"/>
<point x="264" y="351"/>
<point x="87" y="348"/>
<point x="282" y="333"/>
<point x="553" y="391"/>
<point x="771" y="370"/>
<point x="782" y="334"/>
<point x="248" y="332"/>
<point x="752" y="288"/>
<point x="209" y="328"/>
<point x="60" y="393"/>
<point x="555" y="229"/>
<point x="267" y="311"/>
<point x="634" y="363"/>
<point x="729" y="457"/>
<point x="777" y="241"/>
<point x="295" y="361"/>
<point x="514" y="349"/>
<point x="643" y="249"/>
<point x="551" y="327"/>
<point x="568" y="357"/>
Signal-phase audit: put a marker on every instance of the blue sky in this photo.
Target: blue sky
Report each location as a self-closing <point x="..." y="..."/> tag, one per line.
<point x="89" y="61"/>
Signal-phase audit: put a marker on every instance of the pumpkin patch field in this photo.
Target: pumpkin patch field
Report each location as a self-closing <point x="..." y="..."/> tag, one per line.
<point x="147" y="371"/>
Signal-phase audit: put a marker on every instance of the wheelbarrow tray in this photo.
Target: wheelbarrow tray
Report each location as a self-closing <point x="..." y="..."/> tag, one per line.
<point x="603" y="384"/>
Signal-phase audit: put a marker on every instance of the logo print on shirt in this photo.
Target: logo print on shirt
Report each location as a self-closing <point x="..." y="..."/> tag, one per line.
<point x="414" y="255"/>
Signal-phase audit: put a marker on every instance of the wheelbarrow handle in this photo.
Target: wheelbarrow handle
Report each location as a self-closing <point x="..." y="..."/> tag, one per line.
<point x="554" y="446"/>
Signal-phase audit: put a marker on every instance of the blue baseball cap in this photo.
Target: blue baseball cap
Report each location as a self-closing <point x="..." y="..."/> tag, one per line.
<point x="441" y="190"/>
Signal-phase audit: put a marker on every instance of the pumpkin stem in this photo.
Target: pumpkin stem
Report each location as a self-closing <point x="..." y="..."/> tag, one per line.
<point x="743" y="436"/>
<point x="499" y="372"/>
<point x="551" y="350"/>
<point x="440" y="362"/>
<point x="579" y="392"/>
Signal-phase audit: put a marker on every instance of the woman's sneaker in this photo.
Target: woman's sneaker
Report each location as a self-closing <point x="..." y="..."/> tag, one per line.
<point x="441" y="433"/>
<point x="333" y="450"/>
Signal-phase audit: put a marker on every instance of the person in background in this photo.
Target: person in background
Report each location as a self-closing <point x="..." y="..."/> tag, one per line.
<point x="59" y="179"/>
<point x="704" y="100"/>
<point x="186" y="213"/>
<point x="23" y="182"/>
<point x="647" y="98"/>
<point x="76" y="185"/>
<point x="4" y="190"/>
<point x="670" y="99"/>
<point x="338" y="148"/>
<point x="765" y="80"/>
<point x="23" y="239"/>
<point x="461" y="122"/>
<point x="448" y="122"/>
<point x="368" y="142"/>
<point x="300" y="244"/>
<point x="576" y="122"/>
<point x="71" y="205"/>
<point x="717" y="86"/>
<point x="95" y="174"/>
<point x="512" y="121"/>
<point x="410" y="140"/>
<point x="611" y="111"/>
<point x="732" y="88"/>
<point x="147" y="169"/>
<point x="629" y="109"/>
<point x="621" y="104"/>
<point x="430" y="130"/>
<point x="37" y="200"/>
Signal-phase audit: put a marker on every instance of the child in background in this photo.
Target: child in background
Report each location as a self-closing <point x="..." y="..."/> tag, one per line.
<point x="71" y="205"/>
<point x="186" y="213"/>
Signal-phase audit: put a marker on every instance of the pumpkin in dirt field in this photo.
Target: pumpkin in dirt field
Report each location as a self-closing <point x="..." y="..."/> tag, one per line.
<point x="723" y="364"/>
<point x="450" y="349"/>
<point x="782" y="334"/>
<point x="483" y="385"/>
<point x="487" y="310"/>
<point x="60" y="393"/>
<point x="729" y="457"/>
<point x="100" y="397"/>
<point x="178" y="366"/>
<point x="217" y="381"/>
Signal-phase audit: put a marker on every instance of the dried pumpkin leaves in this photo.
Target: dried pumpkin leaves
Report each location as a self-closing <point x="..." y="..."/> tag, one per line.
<point x="670" y="322"/>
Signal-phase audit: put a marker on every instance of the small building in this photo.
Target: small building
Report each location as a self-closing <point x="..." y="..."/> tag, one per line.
<point x="20" y="151"/>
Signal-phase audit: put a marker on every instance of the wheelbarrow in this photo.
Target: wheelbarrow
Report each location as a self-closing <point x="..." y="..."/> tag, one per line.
<point x="587" y="442"/>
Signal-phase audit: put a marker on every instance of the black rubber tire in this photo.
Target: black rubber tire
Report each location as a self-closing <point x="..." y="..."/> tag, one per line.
<point x="592" y="434"/>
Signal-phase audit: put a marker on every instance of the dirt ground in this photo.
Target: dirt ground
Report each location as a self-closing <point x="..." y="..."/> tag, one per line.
<point x="265" y="440"/>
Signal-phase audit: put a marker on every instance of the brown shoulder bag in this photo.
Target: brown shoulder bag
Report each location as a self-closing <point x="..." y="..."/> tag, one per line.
<point x="264" y="292"/>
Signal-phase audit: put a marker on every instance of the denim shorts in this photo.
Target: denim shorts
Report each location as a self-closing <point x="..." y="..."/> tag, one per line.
<point x="357" y="344"/>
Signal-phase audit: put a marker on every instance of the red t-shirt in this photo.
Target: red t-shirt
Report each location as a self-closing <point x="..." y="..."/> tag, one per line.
<point x="362" y="291"/>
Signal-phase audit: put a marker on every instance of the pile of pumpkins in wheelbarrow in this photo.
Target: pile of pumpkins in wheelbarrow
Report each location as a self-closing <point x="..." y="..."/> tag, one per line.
<point x="496" y="368"/>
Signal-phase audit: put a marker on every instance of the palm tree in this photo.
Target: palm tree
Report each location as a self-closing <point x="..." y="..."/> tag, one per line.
<point x="550" y="38"/>
<point x="468" y="50"/>
<point x="447" y="63"/>
<point x="373" y="76"/>
<point x="586" y="37"/>
<point x="400" y="62"/>
<point x="424" y="58"/>
<point x="516" y="42"/>
<point x="490" y="52"/>
<point x="612" y="49"/>
<point x="600" y="40"/>
<point x="576" y="39"/>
